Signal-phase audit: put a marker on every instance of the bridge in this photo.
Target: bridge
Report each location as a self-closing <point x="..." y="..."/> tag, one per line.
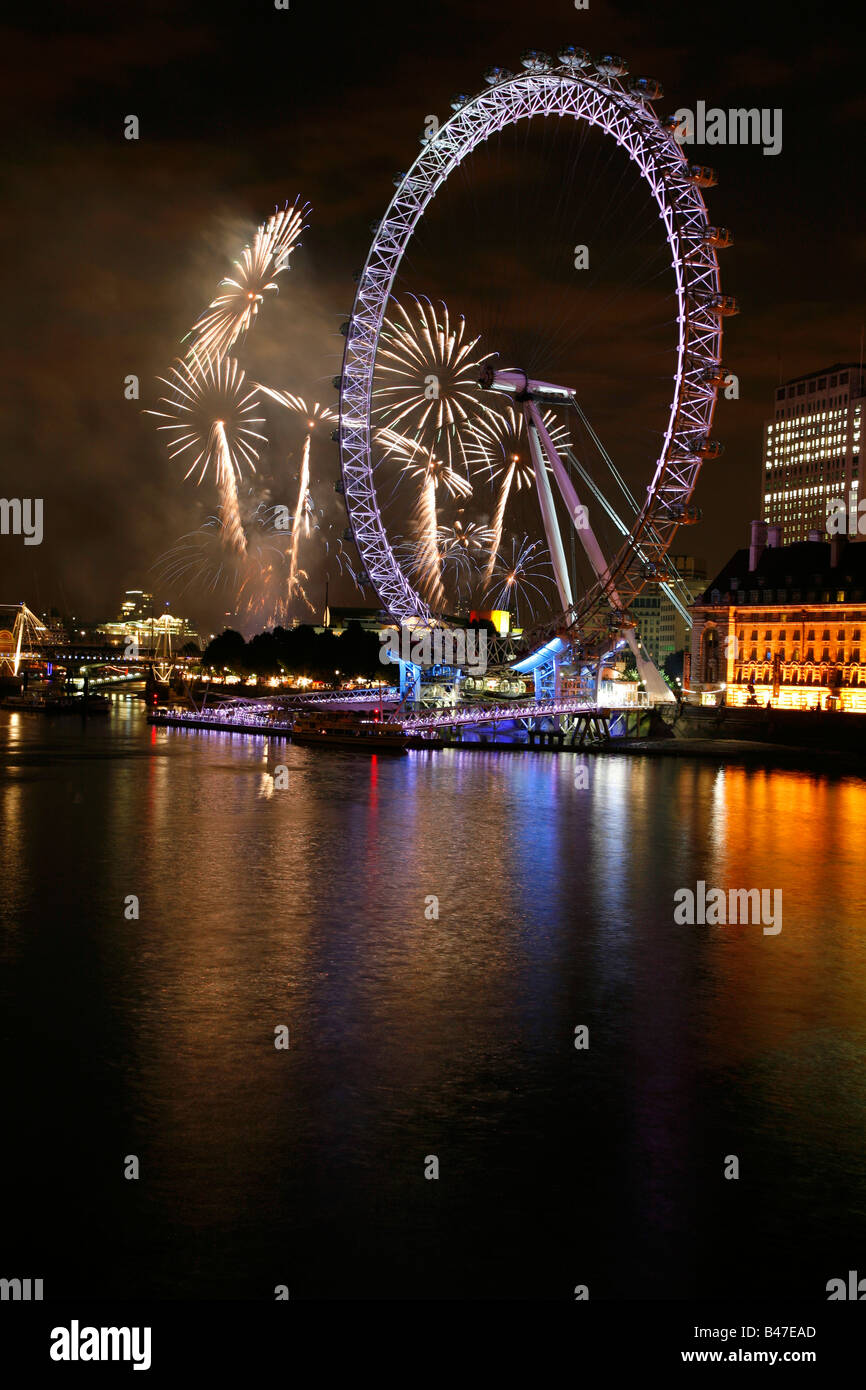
<point x="569" y="720"/>
<point x="523" y="710"/>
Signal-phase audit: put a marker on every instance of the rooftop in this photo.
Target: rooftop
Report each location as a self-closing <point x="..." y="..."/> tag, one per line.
<point x="824" y="371"/>
<point x="804" y="565"/>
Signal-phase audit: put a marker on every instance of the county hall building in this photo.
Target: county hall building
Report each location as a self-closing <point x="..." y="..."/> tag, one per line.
<point x="784" y="625"/>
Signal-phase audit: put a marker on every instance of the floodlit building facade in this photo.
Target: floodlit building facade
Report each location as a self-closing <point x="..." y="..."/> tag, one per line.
<point x="812" y="449"/>
<point x="150" y="631"/>
<point x="784" y="625"/>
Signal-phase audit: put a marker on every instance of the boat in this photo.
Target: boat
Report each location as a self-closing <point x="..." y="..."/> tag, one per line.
<point x="347" y="729"/>
<point x="40" y="702"/>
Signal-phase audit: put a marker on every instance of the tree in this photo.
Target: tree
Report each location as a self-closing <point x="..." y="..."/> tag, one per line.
<point x="673" y="669"/>
<point x="226" y="652"/>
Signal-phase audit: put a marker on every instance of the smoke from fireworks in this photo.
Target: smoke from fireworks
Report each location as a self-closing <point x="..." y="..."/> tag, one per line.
<point x="254" y="581"/>
<point x="232" y="312"/>
<point x="210" y="419"/>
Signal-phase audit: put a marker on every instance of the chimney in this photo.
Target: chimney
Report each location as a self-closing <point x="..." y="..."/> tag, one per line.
<point x="757" y="543"/>
<point x="837" y="547"/>
<point x="774" y="537"/>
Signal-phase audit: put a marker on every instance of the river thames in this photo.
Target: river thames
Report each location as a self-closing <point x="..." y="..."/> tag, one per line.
<point x="431" y="930"/>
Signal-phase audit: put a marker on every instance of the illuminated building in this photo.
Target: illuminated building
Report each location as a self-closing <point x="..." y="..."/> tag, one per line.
<point x="661" y="628"/>
<point x="784" y="624"/>
<point x="499" y="617"/>
<point x="139" y="624"/>
<point x="136" y="607"/>
<point x="56" y="631"/>
<point x="812" y="448"/>
<point x="369" y="619"/>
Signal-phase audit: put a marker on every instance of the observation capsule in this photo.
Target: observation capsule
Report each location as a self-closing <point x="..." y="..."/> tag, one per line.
<point x="647" y="88"/>
<point x="714" y="376"/>
<point x="611" y="65"/>
<point x="536" y="61"/>
<point x="574" y="58"/>
<point x="685" y="513"/>
<point x="725" y="305"/>
<point x="719" y="237"/>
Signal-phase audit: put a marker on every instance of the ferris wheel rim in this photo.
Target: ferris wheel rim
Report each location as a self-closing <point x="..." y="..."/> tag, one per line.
<point x="603" y="101"/>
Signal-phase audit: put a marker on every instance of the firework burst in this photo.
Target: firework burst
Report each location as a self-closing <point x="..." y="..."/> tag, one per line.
<point x="462" y="548"/>
<point x="233" y="311"/>
<point x="429" y="369"/>
<point x="209" y="420"/>
<point x="469" y="539"/>
<point x="313" y="416"/>
<point x="519" y="576"/>
<point x="438" y="474"/>
<point x="497" y="445"/>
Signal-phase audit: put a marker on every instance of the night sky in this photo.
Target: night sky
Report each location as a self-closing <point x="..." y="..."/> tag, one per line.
<point x="112" y="247"/>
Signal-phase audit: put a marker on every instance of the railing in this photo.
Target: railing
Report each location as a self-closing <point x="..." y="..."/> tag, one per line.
<point x="237" y="718"/>
<point x="491" y="714"/>
<point x="262" y="715"/>
<point x="365" y="695"/>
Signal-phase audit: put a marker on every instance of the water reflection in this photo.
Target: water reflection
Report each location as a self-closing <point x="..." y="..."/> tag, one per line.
<point x="413" y="1033"/>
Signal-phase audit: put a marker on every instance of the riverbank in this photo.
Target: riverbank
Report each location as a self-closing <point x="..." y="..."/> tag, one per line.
<point x="748" y="751"/>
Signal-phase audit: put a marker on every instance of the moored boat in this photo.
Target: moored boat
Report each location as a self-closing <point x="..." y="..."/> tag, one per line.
<point x="39" y="702"/>
<point x="347" y="729"/>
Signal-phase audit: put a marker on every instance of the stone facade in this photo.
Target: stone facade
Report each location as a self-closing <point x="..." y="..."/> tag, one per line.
<point x="784" y="625"/>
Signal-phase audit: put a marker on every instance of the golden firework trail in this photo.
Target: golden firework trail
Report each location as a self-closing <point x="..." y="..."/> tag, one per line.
<point x="497" y="444"/>
<point x="209" y="418"/>
<point x="300" y="506"/>
<point x="428" y="396"/>
<point x="427" y="526"/>
<point x="313" y="416"/>
<point x="432" y="473"/>
<point x="428" y="370"/>
<point x="233" y="311"/>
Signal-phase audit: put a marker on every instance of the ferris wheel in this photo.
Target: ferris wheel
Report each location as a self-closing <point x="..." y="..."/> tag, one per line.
<point x="571" y="87"/>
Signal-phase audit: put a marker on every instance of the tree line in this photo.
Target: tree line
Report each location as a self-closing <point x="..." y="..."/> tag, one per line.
<point x="298" y="651"/>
